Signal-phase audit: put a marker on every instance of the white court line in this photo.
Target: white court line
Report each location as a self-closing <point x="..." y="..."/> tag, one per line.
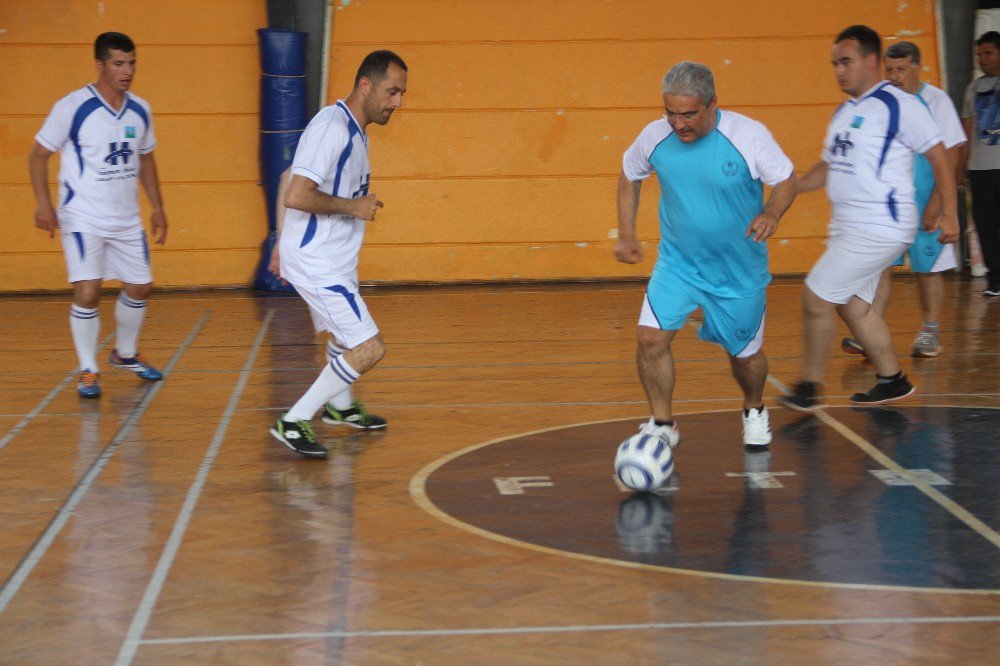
<point x="141" y="618"/>
<point x="23" y="423"/>
<point x="652" y="626"/>
<point x="935" y="495"/>
<point x="28" y="563"/>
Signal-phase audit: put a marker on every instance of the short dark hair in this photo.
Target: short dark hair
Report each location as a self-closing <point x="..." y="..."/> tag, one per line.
<point x="904" y="50"/>
<point x="991" y="37"/>
<point x="106" y="41"/>
<point x="867" y="38"/>
<point x="376" y="64"/>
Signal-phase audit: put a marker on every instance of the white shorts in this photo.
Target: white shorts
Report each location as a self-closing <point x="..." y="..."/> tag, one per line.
<point x="851" y="266"/>
<point x="93" y="257"/>
<point x="340" y="310"/>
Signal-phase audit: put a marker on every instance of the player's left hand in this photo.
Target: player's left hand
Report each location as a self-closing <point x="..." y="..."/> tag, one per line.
<point x="158" y="221"/>
<point x="274" y="265"/>
<point x="762" y="227"/>
<point x="948" y="224"/>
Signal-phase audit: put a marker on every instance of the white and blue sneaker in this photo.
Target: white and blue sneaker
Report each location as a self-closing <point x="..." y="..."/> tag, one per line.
<point x="136" y="364"/>
<point x="88" y="386"/>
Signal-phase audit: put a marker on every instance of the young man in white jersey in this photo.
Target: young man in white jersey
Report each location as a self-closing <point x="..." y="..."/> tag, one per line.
<point x="928" y="258"/>
<point x="867" y="168"/>
<point x="104" y="135"/>
<point x="328" y="202"/>
<point x="712" y="165"/>
<point x="981" y="117"/>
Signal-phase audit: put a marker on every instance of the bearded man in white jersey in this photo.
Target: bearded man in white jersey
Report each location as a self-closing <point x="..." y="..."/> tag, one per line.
<point x="328" y="202"/>
<point x="104" y="134"/>
<point x="867" y="168"/>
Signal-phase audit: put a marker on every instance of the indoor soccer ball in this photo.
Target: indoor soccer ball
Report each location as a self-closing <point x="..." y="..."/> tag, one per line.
<point x="644" y="462"/>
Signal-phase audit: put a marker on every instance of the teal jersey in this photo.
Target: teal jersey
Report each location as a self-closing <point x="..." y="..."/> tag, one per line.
<point x="711" y="189"/>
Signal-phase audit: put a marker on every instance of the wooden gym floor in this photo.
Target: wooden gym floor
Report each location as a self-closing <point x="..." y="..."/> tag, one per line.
<point x="162" y="523"/>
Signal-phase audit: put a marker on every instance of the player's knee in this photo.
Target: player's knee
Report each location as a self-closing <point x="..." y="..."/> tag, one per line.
<point x="139" y="292"/>
<point x="87" y="294"/>
<point x="652" y="341"/>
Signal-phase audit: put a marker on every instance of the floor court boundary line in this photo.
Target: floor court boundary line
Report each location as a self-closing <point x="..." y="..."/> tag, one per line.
<point x="156" y="582"/>
<point x="935" y="495"/>
<point x="30" y="416"/>
<point x="584" y="628"/>
<point x="28" y="563"/>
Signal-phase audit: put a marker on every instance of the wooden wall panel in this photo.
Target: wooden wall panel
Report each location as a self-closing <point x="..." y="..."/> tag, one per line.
<point x="198" y="65"/>
<point x="502" y="163"/>
<point x="510" y="140"/>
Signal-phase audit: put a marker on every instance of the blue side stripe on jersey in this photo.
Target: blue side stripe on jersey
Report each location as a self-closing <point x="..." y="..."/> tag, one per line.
<point x="893" y="104"/>
<point x="69" y="193"/>
<point x="310" y="231"/>
<point x="135" y="106"/>
<point x="342" y="162"/>
<point x="81" y="114"/>
<point x="79" y="243"/>
<point x="337" y="289"/>
<point x="891" y="203"/>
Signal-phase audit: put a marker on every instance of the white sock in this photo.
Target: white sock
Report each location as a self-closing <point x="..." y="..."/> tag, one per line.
<point x="345" y="398"/>
<point x="129" y="314"/>
<point x="336" y="377"/>
<point x="85" y="327"/>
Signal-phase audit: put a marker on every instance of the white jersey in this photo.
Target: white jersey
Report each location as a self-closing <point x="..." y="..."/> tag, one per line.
<point x="944" y="113"/>
<point x="869" y="150"/>
<point x="322" y="250"/>
<point x="99" y="162"/>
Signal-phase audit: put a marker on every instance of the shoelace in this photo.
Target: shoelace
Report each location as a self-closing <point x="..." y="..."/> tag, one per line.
<point x="307" y="431"/>
<point x="88" y="378"/>
<point x="926" y="338"/>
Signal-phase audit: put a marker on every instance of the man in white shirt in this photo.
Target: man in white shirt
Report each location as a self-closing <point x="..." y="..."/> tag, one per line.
<point x="328" y="202"/>
<point x="867" y="168"/>
<point x="928" y="258"/>
<point x="104" y="135"/>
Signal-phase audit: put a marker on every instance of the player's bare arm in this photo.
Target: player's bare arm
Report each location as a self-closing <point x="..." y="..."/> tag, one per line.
<point x="782" y="195"/>
<point x="944" y="179"/>
<point x="151" y="184"/>
<point x="303" y="195"/>
<point x="628" y="250"/>
<point x="814" y="179"/>
<point x="38" y="169"/>
<point x="274" y="265"/>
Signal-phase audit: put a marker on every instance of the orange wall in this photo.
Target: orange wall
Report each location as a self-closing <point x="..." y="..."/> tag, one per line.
<point x="198" y="66"/>
<point x="502" y="163"/>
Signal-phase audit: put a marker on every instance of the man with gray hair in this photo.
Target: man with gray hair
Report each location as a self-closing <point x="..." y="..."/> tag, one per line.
<point x="928" y="258"/>
<point x="712" y="165"/>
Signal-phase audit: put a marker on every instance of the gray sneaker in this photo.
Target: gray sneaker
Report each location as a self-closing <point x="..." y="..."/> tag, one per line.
<point x="926" y="345"/>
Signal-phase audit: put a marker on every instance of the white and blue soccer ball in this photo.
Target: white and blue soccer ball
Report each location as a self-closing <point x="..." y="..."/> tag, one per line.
<point x="644" y="462"/>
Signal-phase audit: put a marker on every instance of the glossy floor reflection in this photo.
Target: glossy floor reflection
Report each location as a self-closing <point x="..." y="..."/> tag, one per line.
<point x="810" y="508"/>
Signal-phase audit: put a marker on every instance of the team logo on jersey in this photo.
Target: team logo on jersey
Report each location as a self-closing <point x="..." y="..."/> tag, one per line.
<point x="729" y="168"/>
<point x="129" y="132"/>
<point x="841" y="144"/>
<point x="856" y="123"/>
<point x="118" y="151"/>
<point x="363" y="190"/>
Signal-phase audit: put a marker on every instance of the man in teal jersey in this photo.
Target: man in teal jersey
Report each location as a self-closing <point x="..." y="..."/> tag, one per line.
<point x="711" y="165"/>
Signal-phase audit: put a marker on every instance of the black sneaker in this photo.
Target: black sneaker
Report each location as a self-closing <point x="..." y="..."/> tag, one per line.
<point x="852" y="346"/>
<point x="882" y="393"/>
<point x="299" y="437"/>
<point x="992" y="291"/>
<point x="355" y="416"/>
<point x="804" y="398"/>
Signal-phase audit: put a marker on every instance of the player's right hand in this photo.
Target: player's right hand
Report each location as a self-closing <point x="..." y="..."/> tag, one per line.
<point x="366" y="207"/>
<point x="46" y="220"/>
<point x="628" y="251"/>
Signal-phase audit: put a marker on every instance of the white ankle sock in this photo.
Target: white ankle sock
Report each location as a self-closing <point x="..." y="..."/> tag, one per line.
<point x="129" y="314"/>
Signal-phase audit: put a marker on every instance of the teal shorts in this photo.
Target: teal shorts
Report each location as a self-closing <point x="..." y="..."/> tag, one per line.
<point x="736" y="324"/>
<point x="924" y="252"/>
